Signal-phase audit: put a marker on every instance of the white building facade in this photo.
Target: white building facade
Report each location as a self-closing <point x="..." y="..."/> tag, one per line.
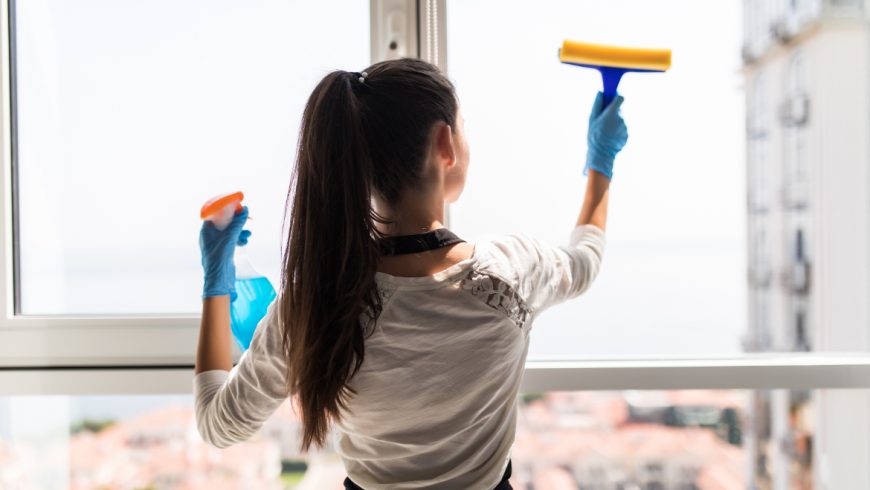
<point x="807" y="78"/>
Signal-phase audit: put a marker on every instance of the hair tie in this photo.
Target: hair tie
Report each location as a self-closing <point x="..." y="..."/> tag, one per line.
<point x="362" y="77"/>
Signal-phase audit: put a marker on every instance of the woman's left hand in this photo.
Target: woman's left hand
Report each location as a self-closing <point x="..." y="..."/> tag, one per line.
<point x="217" y="247"/>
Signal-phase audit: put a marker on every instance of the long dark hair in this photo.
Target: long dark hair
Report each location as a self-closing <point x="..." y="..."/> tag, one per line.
<point x="358" y="139"/>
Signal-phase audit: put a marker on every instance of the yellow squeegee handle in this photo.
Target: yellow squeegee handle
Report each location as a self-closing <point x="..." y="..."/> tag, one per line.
<point x="613" y="62"/>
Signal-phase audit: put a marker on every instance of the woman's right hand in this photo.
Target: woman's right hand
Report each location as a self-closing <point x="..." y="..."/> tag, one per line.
<point x="216" y="249"/>
<point x="606" y="136"/>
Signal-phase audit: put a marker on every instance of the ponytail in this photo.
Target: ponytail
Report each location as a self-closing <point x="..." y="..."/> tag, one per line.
<point x="349" y="127"/>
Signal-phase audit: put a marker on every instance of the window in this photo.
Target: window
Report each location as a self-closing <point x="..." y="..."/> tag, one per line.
<point x="236" y="100"/>
<point x="798" y="299"/>
<point x="794" y="117"/>
<point x="126" y="127"/>
<point x="126" y="117"/>
<point x="674" y="249"/>
<point x="758" y="137"/>
<point x="151" y="441"/>
<point x="758" y="19"/>
<point x="758" y="337"/>
<point x="799" y="264"/>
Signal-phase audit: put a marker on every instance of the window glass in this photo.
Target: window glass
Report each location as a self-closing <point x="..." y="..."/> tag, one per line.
<point x="130" y="115"/>
<point x="701" y="439"/>
<point x="795" y="116"/>
<point x="673" y="280"/>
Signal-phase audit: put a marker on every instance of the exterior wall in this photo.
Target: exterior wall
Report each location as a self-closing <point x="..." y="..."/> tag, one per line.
<point x="841" y="164"/>
<point x="842" y="296"/>
<point x="807" y="72"/>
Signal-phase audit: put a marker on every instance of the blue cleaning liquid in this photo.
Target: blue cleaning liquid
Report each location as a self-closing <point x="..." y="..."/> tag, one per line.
<point x="254" y="297"/>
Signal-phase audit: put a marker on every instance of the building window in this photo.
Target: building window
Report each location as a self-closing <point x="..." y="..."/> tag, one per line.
<point x="794" y="117"/>
<point x="801" y="336"/>
<point x="757" y="146"/>
<point x="798" y="279"/>
<point x="760" y="270"/>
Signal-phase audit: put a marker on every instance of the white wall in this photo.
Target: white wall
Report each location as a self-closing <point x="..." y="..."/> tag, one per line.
<point x="837" y="224"/>
<point x="842" y="276"/>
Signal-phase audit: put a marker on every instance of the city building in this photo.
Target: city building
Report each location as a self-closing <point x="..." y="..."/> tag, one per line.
<point x="805" y="65"/>
<point x="594" y="440"/>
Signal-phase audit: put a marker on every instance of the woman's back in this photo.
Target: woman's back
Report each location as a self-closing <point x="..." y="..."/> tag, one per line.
<point x="435" y="403"/>
<point x="437" y="393"/>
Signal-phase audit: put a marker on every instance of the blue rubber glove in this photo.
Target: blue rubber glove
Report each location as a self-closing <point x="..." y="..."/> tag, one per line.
<point x="217" y="247"/>
<point x="606" y="136"/>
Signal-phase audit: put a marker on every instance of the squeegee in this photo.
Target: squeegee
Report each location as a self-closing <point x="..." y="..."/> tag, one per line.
<point x="614" y="61"/>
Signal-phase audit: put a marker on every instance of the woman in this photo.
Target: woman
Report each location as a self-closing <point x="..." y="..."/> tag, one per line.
<point x="409" y="340"/>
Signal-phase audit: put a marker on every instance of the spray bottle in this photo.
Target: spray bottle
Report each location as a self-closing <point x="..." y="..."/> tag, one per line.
<point x="254" y="291"/>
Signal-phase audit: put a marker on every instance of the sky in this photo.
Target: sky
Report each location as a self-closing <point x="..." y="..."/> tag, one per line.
<point x="121" y="142"/>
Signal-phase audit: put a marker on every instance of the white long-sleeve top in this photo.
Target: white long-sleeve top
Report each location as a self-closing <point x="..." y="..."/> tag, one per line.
<point x="437" y="392"/>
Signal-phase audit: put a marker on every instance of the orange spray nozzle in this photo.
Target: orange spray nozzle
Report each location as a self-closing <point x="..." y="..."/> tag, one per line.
<point x="218" y="203"/>
<point x="221" y="209"/>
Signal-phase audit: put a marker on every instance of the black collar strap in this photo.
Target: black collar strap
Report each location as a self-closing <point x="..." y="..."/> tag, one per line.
<point x="410" y="244"/>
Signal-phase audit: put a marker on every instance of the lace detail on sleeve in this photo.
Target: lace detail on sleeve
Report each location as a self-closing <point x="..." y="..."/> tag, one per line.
<point x="497" y="294"/>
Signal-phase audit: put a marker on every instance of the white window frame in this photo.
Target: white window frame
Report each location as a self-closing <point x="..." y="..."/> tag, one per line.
<point x="751" y="372"/>
<point x="70" y="340"/>
<point x="154" y="354"/>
